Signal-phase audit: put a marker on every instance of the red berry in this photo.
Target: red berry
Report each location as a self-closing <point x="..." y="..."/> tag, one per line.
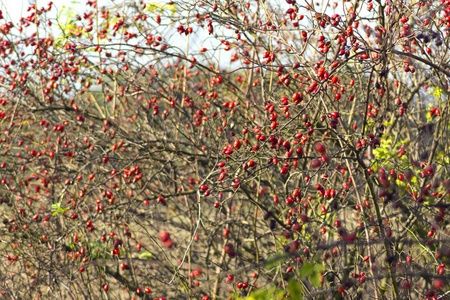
<point x="164" y="236"/>
<point x="284" y="171"/>
<point x="315" y="163"/>
<point x="438" y="284"/>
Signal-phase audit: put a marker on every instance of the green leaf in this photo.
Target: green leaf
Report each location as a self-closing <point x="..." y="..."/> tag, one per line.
<point x="295" y="290"/>
<point x="315" y="279"/>
<point x="146" y="255"/>
<point x="56" y="208"/>
<point x="437" y="93"/>
<point x="98" y="251"/>
<point x="160" y="8"/>
<point x="307" y="269"/>
<point x="274" y="260"/>
<point x="312" y="272"/>
<point x="387" y="123"/>
<point x="442" y="155"/>
<point x="381" y="153"/>
<point x="278" y="295"/>
<point x="318" y="268"/>
<point x="262" y="294"/>
<point x="400" y="183"/>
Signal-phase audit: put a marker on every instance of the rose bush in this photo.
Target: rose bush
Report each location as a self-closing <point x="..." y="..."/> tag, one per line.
<point x="215" y="150"/>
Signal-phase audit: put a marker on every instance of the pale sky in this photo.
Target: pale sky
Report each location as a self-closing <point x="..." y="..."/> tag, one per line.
<point x="17" y="9"/>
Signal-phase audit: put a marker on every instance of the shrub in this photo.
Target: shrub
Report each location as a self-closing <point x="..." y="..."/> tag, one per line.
<point x="199" y="150"/>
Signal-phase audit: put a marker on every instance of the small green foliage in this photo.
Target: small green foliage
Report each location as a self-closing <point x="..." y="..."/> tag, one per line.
<point x="56" y="208"/>
<point x="97" y="251"/>
<point x="146" y="255"/>
<point x="273" y="261"/>
<point x="308" y="271"/>
<point x="263" y="294"/>
<point x="312" y="273"/>
<point x="155" y="7"/>
<point x="437" y="92"/>
<point x="295" y="290"/>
